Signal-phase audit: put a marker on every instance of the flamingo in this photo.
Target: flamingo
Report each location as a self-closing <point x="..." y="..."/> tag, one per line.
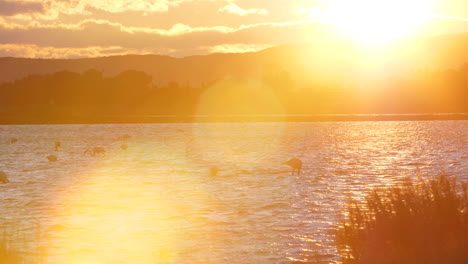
<point x="52" y="158"/>
<point x="124" y="137"/>
<point x="295" y="164"/>
<point x="214" y="171"/>
<point x="96" y="150"/>
<point x="3" y="177"/>
<point x="58" y="144"/>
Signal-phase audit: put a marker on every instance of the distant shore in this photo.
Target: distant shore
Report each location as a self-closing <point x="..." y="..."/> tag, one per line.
<point x="122" y="119"/>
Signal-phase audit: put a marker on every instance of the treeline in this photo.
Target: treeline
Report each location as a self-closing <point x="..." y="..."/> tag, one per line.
<point x="89" y="94"/>
<point x="422" y="91"/>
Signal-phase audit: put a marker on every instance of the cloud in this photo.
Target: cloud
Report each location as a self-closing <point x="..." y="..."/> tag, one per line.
<point x="98" y="37"/>
<point x="51" y="9"/>
<point x="444" y="25"/>
<point x="100" y="24"/>
<point x="179" y="40"/>
<point x="119" y="6"/>
<point x="233" y="8"/>
<point x="237" y="48"/>
<point x="35" y="51"/>
<point x="49" y="52"/>
<point x="11" y="8"/>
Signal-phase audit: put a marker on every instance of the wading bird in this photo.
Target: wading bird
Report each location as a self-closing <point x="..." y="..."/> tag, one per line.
<point x="295" y="164"/>
<point x="3" y="177"/>
<point x="96" y="150"/>
<point x="214" y="171"/>
<point x="124" y="137"/>
<point x="52" y="158"/>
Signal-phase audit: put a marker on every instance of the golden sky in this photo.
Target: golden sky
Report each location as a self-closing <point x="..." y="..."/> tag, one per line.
<point x="90" y="28"/>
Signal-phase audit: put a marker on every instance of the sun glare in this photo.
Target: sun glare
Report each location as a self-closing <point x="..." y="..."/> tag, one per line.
<point x="379" y="21"/>
<point x="118" y="209"/>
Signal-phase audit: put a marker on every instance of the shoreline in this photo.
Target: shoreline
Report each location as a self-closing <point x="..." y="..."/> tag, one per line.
<point x="130" y="119"/>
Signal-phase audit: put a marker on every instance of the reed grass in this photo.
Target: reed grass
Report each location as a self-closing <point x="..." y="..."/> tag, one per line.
<point x="8" y="253"/>
<point x="16" y="244"/>
<point x="421" y="221"/>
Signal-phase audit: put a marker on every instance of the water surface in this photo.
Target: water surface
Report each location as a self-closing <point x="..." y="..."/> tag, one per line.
<point x="157" y="203"/>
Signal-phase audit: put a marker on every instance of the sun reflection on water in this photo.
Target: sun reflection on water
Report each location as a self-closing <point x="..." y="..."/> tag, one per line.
<point x="114" y="210"/>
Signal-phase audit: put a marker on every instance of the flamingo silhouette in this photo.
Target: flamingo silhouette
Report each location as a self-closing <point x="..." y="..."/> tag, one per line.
<point x="96" y="150"/>
<point x="52" y="158"/>
<point x="3" y="177"/>
<point x="295" y="164"/>
<point x="58" y="144"/>
<point x="214" y="171"/>
<point x="124" y="137"/>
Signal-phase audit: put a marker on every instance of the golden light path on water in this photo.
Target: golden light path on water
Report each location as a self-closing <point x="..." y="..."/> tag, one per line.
<point x="114" y="210"/>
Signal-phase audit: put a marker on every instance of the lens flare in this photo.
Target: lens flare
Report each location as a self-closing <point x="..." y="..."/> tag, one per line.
<point x="126" y="207"/>
<point x="238" y="100"/>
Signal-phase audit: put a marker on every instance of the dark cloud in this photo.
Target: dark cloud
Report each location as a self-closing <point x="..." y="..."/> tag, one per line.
<point x="9" y="8"/>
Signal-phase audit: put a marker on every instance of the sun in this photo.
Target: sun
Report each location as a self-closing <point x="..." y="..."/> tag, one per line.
<point x="379" y="21"/>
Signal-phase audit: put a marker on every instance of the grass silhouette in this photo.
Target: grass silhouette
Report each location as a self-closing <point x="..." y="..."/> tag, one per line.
<point x="8" y="254"/>
<point x="16" y="246"/>
<point x="421" y="221"/>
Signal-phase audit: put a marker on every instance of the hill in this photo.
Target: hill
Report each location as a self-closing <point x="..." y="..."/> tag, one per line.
<point x="304" y="62"/>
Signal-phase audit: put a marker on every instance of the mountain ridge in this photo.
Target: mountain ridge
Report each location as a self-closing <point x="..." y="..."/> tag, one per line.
<point x="303" y="61"/>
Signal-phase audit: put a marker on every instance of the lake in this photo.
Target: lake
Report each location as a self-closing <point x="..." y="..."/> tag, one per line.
<point x="156" y="201"/>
